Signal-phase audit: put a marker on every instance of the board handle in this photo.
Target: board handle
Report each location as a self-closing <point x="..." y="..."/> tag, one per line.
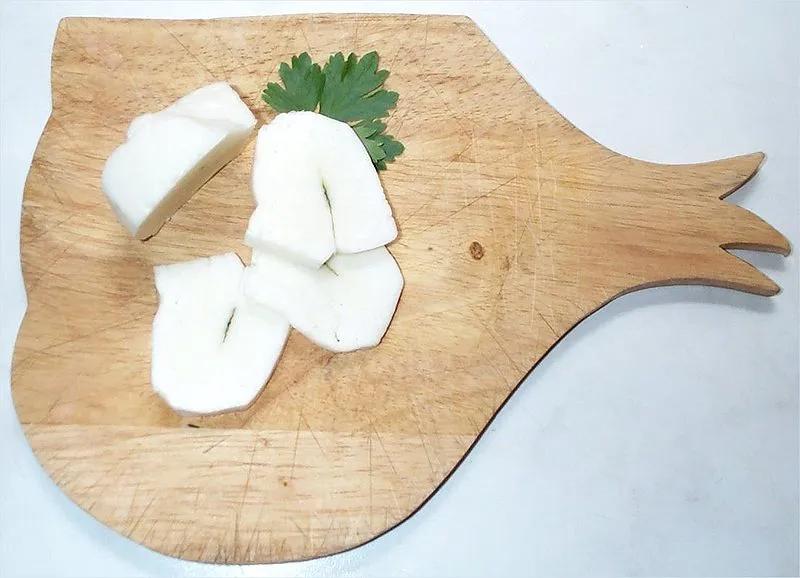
<point x="678" y="228"/>
<point x="735" y="227"/>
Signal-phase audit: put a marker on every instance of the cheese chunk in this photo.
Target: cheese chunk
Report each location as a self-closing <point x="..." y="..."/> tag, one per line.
<point x="212" y="350"/>
<point x="317" y="191"/>
<point x="170" y="154"/>
<point x="343" y="306"/>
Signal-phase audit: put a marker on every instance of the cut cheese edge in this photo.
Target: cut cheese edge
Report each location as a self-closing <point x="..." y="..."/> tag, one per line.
<point x="169" y="155"/>
<point x="343" y="306"/>
<point x="212" y="350"/>
<point x="362" y="217"/>
<point x="292" y="217"/>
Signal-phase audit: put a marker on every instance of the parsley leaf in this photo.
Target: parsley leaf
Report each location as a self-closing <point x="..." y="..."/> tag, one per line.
<point x="391" y="148"/>
<point x="303" y="81"/>
<point x="348" y="90"/>
<point x="366" y="130"/>
<point x="382" y="147"/>
<point x="351" y="91"/>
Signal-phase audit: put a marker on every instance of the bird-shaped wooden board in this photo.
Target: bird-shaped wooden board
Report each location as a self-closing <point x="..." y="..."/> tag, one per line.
<point x="514" y="226"/>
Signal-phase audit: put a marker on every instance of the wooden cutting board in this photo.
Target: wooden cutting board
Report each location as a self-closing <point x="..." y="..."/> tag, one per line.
<point x="514" y="226"/>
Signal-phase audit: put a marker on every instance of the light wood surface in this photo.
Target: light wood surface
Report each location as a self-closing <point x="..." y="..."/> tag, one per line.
<point x="513" y="227"/>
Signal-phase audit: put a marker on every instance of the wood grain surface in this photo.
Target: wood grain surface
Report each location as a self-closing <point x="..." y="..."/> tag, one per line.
<point x="514" y="226"/>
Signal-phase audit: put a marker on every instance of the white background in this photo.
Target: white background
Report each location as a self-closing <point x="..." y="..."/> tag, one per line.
<point x="659" y="438"/>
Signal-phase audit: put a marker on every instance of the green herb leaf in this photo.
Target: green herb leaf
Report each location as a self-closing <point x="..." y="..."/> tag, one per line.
<point x="303" y="81"/>
<point x="382" y="147"/>
<point x="352" y="88"/>
<point x="390" y="146"/>
<point x="367" y="128"/>
<point x="367" y="131"/>
<point x="348" y="90"/>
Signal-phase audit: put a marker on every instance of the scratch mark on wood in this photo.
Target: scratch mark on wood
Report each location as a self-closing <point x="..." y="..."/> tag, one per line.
<point x="141" y="517"/>
<point x="425" y="40"/>
<point x="249" y="473"/>
<point x="132" y="503"/>
<point x="434" y="197"/>
<point x="370" y="480"/>
<point x="391" y="464"/>
<point x="150" y="531"/>
<point x="303" y="533"/>
<point x="47" y="182"/>
<point x="212" y="446"/>
<point x="421" y="434"/>
<point x="428" y="456"/>
<point x="60" y="125"/>
<point x="468" y="205"/>
<point x="394" y="58"/>
<point x="189" y="52"/>
<point x="245" y="492"/>
<point x="308" y="44"/>
<point x="327" y="533"/>
<point x="546" y="322"/>
<point x="231" y="55"/>
<point x="236" y="515"/>
<point x="182" y="544"/>
<point x="43" y="275"/>
<point x="53" y="346"/>
<point x="313" y="435"/>
<point x="383" y="447"/>
<point x="491" y="334"/>
<point x="296" y="442"/>
<point x="254" y="537"/>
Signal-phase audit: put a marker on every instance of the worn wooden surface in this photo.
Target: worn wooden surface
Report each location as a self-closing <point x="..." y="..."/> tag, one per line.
<point x="514" y="226"/>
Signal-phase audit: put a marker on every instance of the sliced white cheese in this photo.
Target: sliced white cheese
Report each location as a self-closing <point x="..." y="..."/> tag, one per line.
<point x="343" y="306"/>
<point x="217" y="102"/>
<point x="169" y="155"/>
<point x="212" y="350"/>
<point x="317" y="191"/>
<point x="362" y="217"/>
<point x="292" y="217"/>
